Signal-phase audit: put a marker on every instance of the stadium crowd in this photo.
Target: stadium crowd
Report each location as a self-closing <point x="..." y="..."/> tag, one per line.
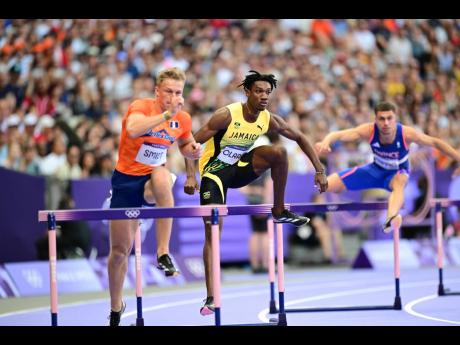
<point x="66" y="83"/>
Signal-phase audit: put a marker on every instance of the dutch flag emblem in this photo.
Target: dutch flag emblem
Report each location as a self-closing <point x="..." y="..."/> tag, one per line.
<point x="174" y="124"/>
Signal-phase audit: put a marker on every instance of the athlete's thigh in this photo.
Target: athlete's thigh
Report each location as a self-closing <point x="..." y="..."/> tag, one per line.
<point x="397" y="180"/>
<point x="335" y="184"/>
<point x="122" y="233"/>
<point x="161" y="183"/>
<point x="212" y="189"/>
<point x="242" y="172"/>
<point x="212" y="192"/>
<point x="149" y="195"/>
<point x="363" y="177"/>
<point x="262" y="157"/>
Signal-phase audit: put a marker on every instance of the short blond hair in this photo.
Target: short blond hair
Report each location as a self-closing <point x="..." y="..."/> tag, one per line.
<point x="170" y="73"/>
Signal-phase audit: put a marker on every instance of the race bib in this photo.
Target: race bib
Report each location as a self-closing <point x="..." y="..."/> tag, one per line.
<point x="231" y="154"/>
<point x="152" y="154"/>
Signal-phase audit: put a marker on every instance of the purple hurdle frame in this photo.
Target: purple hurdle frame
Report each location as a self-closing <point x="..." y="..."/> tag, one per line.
<point x="440" y="205"/>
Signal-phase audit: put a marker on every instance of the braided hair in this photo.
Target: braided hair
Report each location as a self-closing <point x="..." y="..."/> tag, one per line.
<point x="256" y="76"/>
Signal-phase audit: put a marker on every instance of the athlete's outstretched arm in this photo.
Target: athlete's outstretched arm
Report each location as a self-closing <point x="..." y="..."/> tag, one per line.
<point x="189" y="148"/>
<point x="219" y="120"/>
<point x="138" y="124"/>
<point x="277" y="124"/>
<point x="424" y="139"/>
<point x="362" y="132"/>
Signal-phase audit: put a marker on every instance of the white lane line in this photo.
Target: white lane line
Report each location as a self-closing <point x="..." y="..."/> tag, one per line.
<point x="408" y="309"/>
<point x="94" y="301"/>
<point x="263" y="314"/>
<point x="175" y="293"/>
<point x="231" y="296"/>
<point x="190" y="301"/>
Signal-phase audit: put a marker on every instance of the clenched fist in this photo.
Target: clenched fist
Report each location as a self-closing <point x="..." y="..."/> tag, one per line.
<point x="177" y="102"/>
<point x="322" y="147"/>
<point x="191" y="185"/>
<point x="195" y="151"/>
<point x="321" y="181"/>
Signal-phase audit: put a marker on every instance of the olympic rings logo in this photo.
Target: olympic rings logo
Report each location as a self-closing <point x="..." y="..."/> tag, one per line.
<point x="132" y="213"/>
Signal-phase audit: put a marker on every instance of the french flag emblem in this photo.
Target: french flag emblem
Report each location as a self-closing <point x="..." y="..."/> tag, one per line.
<point x="174" y="124"/>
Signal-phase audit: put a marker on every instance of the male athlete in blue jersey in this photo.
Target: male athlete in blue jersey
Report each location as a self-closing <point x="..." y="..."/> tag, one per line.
<point x="390" y="142"/>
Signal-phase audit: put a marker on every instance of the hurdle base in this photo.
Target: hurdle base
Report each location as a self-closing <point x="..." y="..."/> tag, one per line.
<point x="351" y="308"/>
<point x="441" y="291"/>
<point x="272" y="308"/>
<point x="54" y="319"/>
<point x="250" y="324"/>
<point x="282" y="321"/>
<point x="397" y="305"/>
<point x="139" y="321"/>
<point x="217" y="316"/>
<point x="446" y="292"/>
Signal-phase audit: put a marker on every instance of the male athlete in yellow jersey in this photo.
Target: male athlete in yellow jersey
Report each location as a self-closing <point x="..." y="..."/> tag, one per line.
<point x="229" y="162"/>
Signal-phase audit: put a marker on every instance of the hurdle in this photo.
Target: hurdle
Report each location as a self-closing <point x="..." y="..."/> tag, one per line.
<point x="213" y="211"/>
<point x="439" y="205"/>
<point x="52" y="216"/>
<point x="357" y="206"/>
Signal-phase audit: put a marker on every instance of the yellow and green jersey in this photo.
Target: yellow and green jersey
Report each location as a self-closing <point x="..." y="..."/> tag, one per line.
<point x="228" y="145"/>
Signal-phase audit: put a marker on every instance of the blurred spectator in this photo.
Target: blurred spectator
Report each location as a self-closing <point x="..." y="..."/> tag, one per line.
<point x="71" y="169"/>
<point x="30" y="121"/>
<point x="31" y="161"/>
<point x="52" y="162"/>
<point x="38" y="96"/>
<point x="13" y="160"/>
<point x="10" y="84"/>
<point x="43" y="131"/>
<point x="73" y="239"/>
<point x="317" y="233"/>
<point x="88" y="164"/>
<point x="105" y="166"/>
<point x="399" y="47"/>
<point x="322" y="31"/>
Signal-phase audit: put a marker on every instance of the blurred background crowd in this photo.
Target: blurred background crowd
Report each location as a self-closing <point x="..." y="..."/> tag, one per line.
<point x="65" y="84"/>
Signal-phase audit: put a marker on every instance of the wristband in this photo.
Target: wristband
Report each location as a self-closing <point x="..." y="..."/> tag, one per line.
<point x="166" y="115"/>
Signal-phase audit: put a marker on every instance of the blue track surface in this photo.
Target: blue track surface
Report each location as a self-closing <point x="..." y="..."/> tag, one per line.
<point x="247" y="302"/>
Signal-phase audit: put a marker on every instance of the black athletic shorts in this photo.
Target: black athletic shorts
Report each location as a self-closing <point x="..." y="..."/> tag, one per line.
<point x="213" y="189"/>
<point x="128" y="190"/>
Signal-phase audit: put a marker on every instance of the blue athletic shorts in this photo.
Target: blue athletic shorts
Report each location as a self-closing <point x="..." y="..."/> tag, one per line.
<point x="128" y="190"/>
<point x="369" y="176"/>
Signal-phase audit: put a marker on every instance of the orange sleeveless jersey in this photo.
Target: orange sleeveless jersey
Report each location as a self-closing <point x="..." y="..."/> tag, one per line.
<point x="165" y="134"/>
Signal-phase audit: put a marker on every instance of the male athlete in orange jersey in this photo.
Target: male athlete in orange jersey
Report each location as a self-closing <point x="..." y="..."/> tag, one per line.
<point x="149" y="128"/>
